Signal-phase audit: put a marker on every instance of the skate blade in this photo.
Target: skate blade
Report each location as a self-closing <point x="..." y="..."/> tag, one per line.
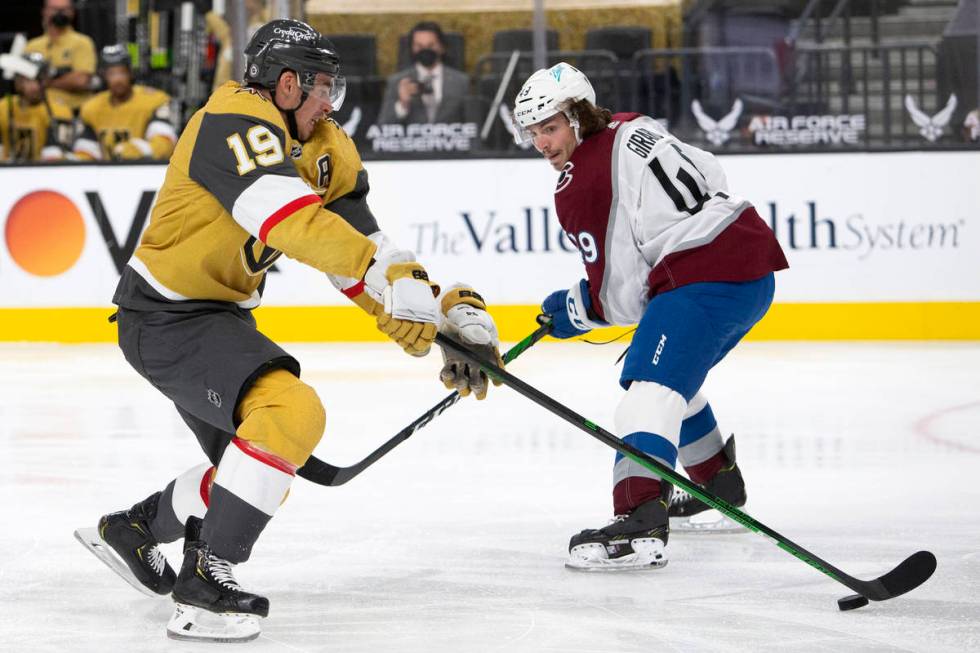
<point x="649" y="554"/>
<point x="193" y="624"/>
<point x="709" y="521"/>
<point x="90" y="539"/>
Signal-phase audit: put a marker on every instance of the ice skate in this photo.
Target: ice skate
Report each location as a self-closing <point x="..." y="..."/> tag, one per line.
<point x="123" y="541"/>
<point x="688" y="514"/>
<point x="211" y="605"/>
<point x="634" y="541"/>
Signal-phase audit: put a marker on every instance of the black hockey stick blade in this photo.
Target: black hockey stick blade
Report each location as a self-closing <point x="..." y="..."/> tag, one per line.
<point x="323" y="473"/>
<point x="912" y="572"/>
<point x="905" y="577"/>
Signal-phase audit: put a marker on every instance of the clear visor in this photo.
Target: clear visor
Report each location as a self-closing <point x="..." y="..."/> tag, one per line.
<point x="522" y="135"/>
<point x="328" y="88"/>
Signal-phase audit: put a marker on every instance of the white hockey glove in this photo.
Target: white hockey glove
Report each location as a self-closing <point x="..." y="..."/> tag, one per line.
<point x="407" y="310"/>
<point x="467" y="322"/>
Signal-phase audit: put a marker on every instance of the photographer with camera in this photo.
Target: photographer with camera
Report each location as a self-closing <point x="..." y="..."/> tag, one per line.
<point x="428" y="91"/>
<point x="70" y="54"/>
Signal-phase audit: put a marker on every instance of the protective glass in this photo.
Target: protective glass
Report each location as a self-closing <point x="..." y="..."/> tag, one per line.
<point x="522" y="135"/>
<point x="328" y="88"/>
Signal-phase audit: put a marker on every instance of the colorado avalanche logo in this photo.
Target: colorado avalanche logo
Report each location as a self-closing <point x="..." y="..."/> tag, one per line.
<point x="564" y="177"/>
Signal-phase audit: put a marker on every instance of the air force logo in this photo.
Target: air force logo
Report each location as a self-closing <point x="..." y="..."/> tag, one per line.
<point x="931" y="127"/>
<point x="717" y="131"/>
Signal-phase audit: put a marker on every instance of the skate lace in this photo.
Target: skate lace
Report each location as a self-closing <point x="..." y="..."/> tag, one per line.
<point x="157" y="560"/>
<point x="679" y="496"/>
<point x="221" y="571"/>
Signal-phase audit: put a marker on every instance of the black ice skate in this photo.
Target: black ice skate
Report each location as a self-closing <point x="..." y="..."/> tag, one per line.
<point x="123" y="541"/>
<point x="633" y="541"/>
<point x="690" y="514"/>
<point x="211" y="605"/>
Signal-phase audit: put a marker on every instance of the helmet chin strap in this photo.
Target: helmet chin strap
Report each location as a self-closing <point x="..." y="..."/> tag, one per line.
<point x="291" y="113"/>
<point x="573" y="123"/>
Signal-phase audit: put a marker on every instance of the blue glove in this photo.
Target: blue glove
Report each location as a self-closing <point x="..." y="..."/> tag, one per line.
<point x="569" y="311"/>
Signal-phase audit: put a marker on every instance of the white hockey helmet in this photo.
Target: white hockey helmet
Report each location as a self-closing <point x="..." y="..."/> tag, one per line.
<point x="547" y="92"/>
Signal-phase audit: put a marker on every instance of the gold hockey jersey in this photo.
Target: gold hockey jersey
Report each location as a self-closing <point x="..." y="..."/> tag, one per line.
<point x="26" y="130"/>
<point x="142" y="122"/>
<point x="69" y="52"/>
<point x="331" y="165"/>
<point x="230" y="204"/>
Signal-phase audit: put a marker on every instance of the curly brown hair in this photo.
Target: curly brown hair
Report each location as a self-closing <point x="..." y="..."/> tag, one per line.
<point x="591" y="119"/>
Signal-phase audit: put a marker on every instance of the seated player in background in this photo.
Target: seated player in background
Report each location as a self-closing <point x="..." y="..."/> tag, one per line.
<point x="126" y="121"/>
<point x="33" y="128"/>
<point x="232" y="202"/>
<point x="665" y="246"/>
<point x="70" y="54"/>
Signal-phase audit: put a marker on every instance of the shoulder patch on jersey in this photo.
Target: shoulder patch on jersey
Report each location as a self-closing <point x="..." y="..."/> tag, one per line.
<point x="564" y="177"/>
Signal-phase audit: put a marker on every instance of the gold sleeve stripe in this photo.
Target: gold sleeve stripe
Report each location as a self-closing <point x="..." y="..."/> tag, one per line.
<point x="284" y="212"/>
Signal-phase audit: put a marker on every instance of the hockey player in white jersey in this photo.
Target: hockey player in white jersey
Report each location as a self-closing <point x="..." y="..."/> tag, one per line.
<point x="668" y="247"/>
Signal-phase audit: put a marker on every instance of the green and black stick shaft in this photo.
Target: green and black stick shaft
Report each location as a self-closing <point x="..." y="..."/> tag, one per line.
<point x="911" y="573"/>
<point x="323" y="473"/>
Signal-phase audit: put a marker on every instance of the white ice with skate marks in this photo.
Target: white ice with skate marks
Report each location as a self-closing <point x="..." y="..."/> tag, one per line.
<point x="456" y="540"/>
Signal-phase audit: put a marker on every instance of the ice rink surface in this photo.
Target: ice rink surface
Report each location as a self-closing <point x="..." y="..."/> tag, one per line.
<point x="863" y="453"/>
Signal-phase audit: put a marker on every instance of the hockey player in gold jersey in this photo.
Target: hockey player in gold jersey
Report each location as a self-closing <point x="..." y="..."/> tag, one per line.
<point x="32" y="128"/>
<point x="231" y="203"/>
<point x="127" y="121"/>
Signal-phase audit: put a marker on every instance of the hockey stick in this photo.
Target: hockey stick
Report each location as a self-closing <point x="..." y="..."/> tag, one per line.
<point x="911" y="573"/>
<point x="324" y="473"/>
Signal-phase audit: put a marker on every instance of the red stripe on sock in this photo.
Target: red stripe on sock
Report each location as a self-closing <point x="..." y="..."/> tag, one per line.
<point x="284" y="212"/>
<point x="270" y="459"/>
<point x="206" y="486"/>
<point x="632" y="491"/>
<point x="705" y="471"/>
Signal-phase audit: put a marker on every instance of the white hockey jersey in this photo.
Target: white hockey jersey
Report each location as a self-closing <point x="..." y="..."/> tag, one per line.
<point x="650" y="213"/>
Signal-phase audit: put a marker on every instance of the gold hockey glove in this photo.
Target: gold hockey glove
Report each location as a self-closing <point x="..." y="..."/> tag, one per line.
<point x="467" y="321"/>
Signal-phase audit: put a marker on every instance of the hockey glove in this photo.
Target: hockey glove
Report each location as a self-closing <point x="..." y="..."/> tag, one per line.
<point x="466" y="321"/>
<point x="408" y="311"/>
<point x="569" y="311"/>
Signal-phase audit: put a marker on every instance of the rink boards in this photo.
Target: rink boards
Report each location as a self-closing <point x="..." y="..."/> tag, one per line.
<point x="881" y="246"/>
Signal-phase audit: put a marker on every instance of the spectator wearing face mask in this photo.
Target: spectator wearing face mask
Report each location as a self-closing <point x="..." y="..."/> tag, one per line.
<point x="70" y="54"/>
<point x="428" y="91"/>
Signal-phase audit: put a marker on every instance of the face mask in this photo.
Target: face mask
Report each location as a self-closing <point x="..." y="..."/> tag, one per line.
<point x="427" y="57"/>
<point x="60" y="19"/>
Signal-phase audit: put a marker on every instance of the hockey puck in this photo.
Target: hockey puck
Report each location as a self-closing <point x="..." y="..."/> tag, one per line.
<point x="852" y="602"/>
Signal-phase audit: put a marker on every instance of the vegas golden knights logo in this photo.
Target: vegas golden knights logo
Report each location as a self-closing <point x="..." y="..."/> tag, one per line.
<point x="111" y="137"/>
<point x="257" y="257"/>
